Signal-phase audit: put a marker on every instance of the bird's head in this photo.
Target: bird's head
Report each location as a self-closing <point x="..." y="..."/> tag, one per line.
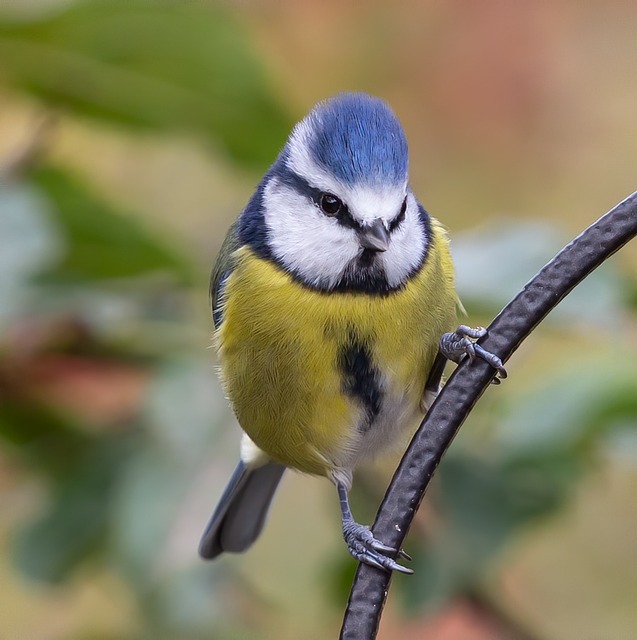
<point x="335" y="210"/>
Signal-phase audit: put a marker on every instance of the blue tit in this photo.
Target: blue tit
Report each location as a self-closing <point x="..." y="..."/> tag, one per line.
<point x="330" y="296"/>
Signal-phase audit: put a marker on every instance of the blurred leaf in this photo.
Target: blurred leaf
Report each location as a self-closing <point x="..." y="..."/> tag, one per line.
<point x="494" y="262"/>
<point x="182" y="414"/>
<point x="482" y="505"/>
<point x="167" y="66"/>
<point x="570" y="410"/>
<point x="151" y="489"/>
<point x="155" y="541"/>
<point x="188" y="601"/>
<point x="185" y="406"/>
<point x="28" y="244"/>
<point x="337" y="575"/>
<point x="433" y="583"/>
<point x="102" y="243"/>
<point x="484" y="502"/>
<point x="76" y="522"/>
<point x="40" y="436"/>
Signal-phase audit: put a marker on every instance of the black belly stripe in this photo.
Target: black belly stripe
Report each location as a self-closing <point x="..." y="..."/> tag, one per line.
<point x="361" y="380"/>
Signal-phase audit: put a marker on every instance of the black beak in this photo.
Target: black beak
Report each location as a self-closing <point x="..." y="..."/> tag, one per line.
<point x="374" y="237"/>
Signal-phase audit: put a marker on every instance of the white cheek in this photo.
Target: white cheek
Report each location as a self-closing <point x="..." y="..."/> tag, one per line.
<point x="315" y="247"/>
<point x="406" y="248"/>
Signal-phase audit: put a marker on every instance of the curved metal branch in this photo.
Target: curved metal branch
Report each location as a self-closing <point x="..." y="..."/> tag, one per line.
<point x="468" y="382"/>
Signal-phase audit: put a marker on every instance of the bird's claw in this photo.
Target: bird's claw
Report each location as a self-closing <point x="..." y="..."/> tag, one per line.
<point x="460" y="344"/>
<point x="364" y="547"/>
<point x="377" y="545"/>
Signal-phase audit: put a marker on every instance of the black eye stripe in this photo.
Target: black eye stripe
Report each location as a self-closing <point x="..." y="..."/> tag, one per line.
<point x="397" y="221"/>
<point x="302" y="186"/>
<point x="343" y="217"/>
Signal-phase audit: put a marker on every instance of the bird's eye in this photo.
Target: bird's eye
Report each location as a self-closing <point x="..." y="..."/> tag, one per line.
<point x="330" y="204"/>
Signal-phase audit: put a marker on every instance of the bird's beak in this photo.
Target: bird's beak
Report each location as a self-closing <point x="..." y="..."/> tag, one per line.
<point x="374" y="237"/>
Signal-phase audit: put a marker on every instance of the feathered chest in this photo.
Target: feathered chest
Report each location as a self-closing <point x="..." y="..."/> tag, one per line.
<point x="312" y="372"/>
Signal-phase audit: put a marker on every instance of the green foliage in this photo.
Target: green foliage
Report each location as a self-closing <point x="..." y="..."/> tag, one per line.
<point x="578" y="408"/>
<point x="38" y="434"/>
<point x="102" y="243"/>
<point x="496" y="260"/>
<point x="29" y="244"/>
<point x="75" y="523"/>
<point x="165" y="67"/>
<point x="113" y="492"/>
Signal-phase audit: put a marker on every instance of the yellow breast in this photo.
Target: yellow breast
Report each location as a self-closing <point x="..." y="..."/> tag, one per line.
<point x="291" y="356"/>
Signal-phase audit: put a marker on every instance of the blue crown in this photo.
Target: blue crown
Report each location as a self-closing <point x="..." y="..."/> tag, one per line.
<point x="358" y="139"/>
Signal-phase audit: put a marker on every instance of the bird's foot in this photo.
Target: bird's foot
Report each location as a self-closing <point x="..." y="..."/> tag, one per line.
<point x="366" y="548"/>
<point x="461" y="343"/>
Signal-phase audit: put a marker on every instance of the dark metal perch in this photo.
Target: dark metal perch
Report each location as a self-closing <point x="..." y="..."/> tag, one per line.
<point x="514" y="323"/>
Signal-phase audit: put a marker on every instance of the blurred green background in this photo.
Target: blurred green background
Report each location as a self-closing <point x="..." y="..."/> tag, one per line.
<point x="131" y="134"/>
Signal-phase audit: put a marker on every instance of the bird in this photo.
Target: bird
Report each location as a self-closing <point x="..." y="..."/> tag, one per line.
<point x="334" y="307"/>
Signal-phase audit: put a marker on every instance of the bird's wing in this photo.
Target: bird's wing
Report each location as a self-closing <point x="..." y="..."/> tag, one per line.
<point x="220" y="272"/>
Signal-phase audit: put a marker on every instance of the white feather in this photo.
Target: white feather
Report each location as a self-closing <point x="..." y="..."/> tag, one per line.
<point x="306" y="240"/>
<point x="319" y="249"/>
<point x="397" y="417"/>
<point x="251" y="455"/>
<point x="406" y="246"/>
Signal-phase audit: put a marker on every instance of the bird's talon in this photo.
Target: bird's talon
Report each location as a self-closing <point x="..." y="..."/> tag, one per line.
<point x="381" y="562"/>
<point x="404" y="555"/>
<point x="460" y="344"/>
<point x="392" y="565"/>
<point x="493" y="360"/>
<point x="377" y="545"/>
<point x="370" y="559"/>
<point x="366" y="548"/>
<point x="469" y="349"/>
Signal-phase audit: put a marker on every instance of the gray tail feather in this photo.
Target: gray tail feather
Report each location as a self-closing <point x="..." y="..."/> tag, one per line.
<point x="242" y="510"/>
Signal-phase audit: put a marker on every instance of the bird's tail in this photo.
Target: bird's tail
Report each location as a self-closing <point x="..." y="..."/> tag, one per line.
<point x="242" y="510"/>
